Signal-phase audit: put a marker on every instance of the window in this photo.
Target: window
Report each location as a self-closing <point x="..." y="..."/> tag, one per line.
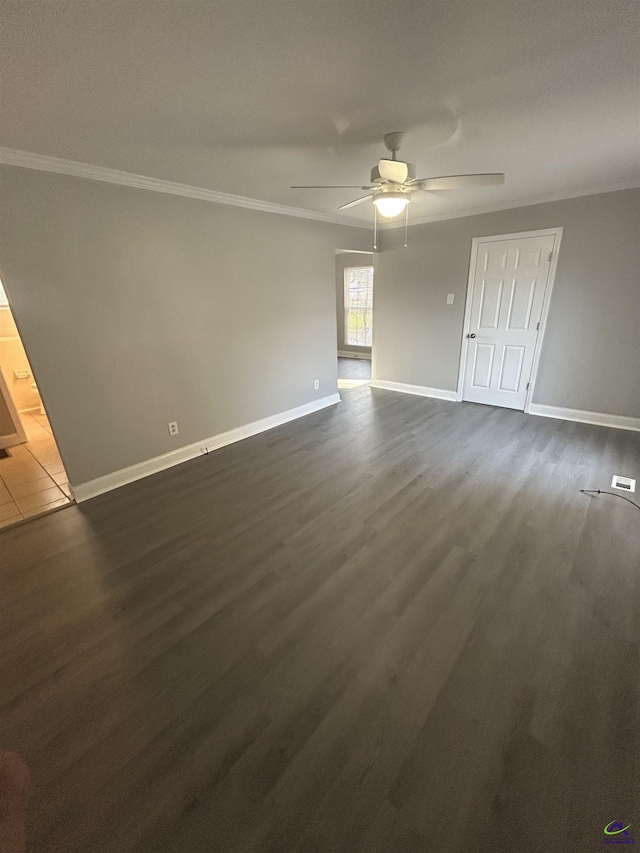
<point x="358" y="306"/>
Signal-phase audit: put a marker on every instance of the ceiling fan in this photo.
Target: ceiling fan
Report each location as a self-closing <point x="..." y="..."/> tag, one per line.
<point x="394" y="182"/>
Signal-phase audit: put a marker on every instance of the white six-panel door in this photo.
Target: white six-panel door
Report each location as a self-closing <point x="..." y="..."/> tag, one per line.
<point x="507" y="289"/>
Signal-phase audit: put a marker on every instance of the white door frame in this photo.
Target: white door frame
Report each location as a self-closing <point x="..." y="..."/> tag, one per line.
<point x="475" y="242"/>
<point x="18" y="436"/>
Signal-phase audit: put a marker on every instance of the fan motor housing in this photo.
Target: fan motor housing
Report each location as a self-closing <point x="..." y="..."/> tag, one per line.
<point x="376" y="177"/>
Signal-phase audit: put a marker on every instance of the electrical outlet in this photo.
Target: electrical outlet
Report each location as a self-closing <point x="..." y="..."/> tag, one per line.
<point x="450" y="297"/>
<point x="173" y="428"/>
<point x="316" y="384"/>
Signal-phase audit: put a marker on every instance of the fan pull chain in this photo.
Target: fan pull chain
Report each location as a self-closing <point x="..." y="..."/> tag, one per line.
<point x="375" y="228"/>
<point x="406" y="224"/>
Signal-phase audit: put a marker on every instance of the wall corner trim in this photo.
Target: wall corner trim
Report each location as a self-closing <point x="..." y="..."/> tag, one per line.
<point x="45" y="163"/>
<point x="418" y="390"/>
<point x="93" y="488"/>
<point x="596" y="418"/>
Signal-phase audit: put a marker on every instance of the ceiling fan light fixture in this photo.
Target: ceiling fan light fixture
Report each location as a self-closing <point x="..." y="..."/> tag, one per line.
<point x="391" y="204"/>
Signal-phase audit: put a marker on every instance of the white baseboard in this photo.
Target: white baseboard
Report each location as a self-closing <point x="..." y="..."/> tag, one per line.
<point x="92" y="488"/>
<point x="363" y="355"/>
<point x="597" y="418"/>
<point x="9" y="440"/>
<point x="418" y="390"/>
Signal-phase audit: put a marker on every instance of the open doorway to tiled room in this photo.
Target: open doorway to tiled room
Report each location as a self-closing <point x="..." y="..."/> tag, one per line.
<point x="32" y="476"/>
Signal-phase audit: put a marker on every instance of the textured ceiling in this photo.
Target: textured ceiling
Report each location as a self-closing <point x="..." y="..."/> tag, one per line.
<point x="250" y="97"/>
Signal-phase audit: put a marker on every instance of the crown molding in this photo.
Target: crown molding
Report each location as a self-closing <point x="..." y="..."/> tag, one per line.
<point x="74" y="168"/>
<point x="508" y="205"/>
<point x="45" y="163"/>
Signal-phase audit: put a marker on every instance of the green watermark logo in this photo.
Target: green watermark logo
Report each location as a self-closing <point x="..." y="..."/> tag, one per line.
<point x="617" y="833"/>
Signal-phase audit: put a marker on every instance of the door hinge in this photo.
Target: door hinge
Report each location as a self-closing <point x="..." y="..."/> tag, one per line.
<point x="537" y="327"/>
<point x="528" y="383"/>
<point x="550" y="256"/>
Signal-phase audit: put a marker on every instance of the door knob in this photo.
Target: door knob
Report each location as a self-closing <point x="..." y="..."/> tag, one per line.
<point x="471" y="335"/>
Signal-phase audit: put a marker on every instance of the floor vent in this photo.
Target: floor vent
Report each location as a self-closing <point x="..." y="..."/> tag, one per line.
<point x="624" y="483"/>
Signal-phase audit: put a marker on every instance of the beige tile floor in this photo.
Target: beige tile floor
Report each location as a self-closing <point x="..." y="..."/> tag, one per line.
<point x="32" y="478"/>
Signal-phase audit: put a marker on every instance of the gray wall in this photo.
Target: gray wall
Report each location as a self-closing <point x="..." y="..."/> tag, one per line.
<point x="591" y="353"/>
<point x="344" y="260"/>
<point x="137" y="308"/>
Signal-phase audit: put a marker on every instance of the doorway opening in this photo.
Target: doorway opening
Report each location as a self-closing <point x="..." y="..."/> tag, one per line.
<point x="33" y="479"/>
<point x="508" y="296"/>
<point x="354" y="315"/>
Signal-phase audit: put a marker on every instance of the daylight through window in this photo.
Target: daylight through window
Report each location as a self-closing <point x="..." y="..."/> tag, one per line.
<point x="358" y="304"/>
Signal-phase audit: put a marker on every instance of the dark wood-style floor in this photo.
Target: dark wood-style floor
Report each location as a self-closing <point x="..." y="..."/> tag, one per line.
<point x="395" y="625"/>
<point x="354" y="368"/>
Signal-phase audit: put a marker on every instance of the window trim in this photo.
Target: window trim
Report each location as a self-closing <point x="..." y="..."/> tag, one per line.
<point x="345" y="307"/>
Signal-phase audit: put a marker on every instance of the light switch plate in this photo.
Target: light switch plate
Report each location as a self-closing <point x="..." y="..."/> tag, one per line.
<point x="450" y="297"/>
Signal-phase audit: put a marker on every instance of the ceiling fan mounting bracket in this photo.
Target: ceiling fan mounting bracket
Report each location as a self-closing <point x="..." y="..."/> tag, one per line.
<point x="393" y="142"/>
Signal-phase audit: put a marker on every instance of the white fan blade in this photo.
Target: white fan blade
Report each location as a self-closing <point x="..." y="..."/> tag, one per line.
<point x="332" y="187"/>
<point x="393" y="170"/>
<point x="459" y="182"/>
<point x="355" y="201"/>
